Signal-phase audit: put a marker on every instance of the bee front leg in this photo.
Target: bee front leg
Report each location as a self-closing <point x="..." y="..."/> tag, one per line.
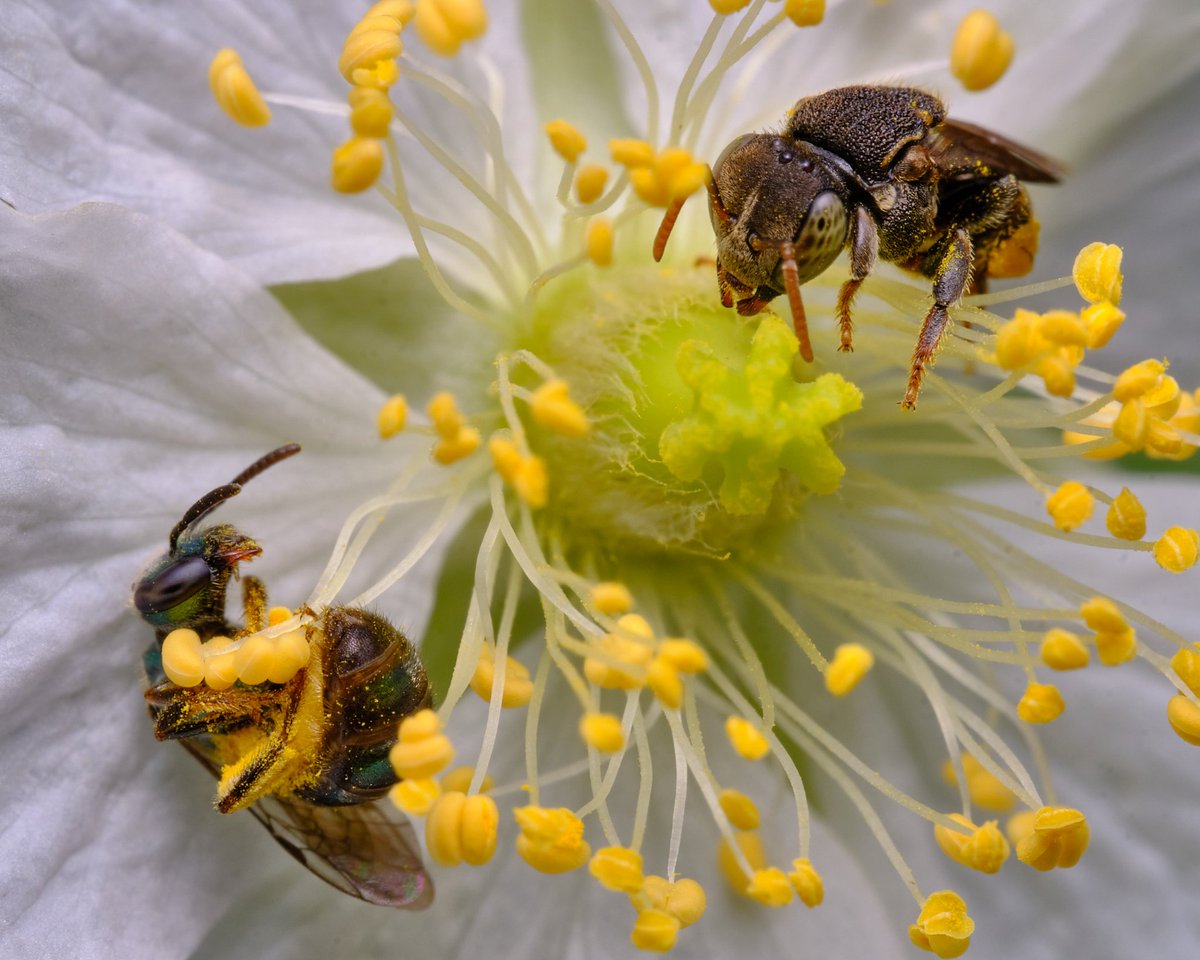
<point x="864" y="251"/>
<point x="951" y="278"/>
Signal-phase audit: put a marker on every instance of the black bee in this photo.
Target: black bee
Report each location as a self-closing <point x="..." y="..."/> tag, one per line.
<point x="884" y="171"/>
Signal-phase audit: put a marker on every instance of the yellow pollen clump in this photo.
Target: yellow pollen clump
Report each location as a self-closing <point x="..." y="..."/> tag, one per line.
<point x="375" y="38"/>
<point x="981" y="51"/>
<point x="551" y="840"/>
<point x="1064" y="328"/>
<point x="220" y="664"/>
<point x="1114" y="647"/>
<point x="276" y="616"/>
<point x="807" y="882"/>
<point x="393" y="416"/>
<point x="726" y="7"/>
<point x="1126" y="519"/>
<point x="602" y="731"/>
<point x="1015" y="255"/>
<point x="518" y="688"/>
<point x="182" y="659"/>
<point x="654" y="931"/>
<point x="1063" y="650"/>
<point x="1070" y="506"/>
<point x="1097" y="273"/>
<point x="1059" y="837"/>
<point x="235" y="92"/>
<point x="1102" y="321"/>
<point x="630" y="153"/>
<point x="275" y="659"/>
<point x="356" y="165"/>
<point x="1183" y="714"/>
<point x="444" y="25"/>
<point x="739" y="808"/>
<point x="526" y="475"/>
<point x="633" y="654"/>
<point x="751" y="847"/>
<point x="589" y="182"/>
<point x="943" y="927"/>
<point x="1137" y="380"/>
<point x="462" y="829"/>
<point x="673" y="175"/>
<point x="664" y="680"/>
<point x="851" y="662"/>
<point x="566" y="139"/>
<point x="611" y="598"/>
<point x="1100" y="613"/>
<point x="456" y="439"/>
<point x="598" y="242"/>
<point x="554" y="409"/>
<point x="370" y="111"/>
<point x="1186" y="664"/>
<point x="460" y="779"/>
<point x="1041" y="703"/>
<point x="804" y="13"/>
<point x="415" y="797"/>
<point x="1176" y="550"/>
<point x="770" y="887"/>
<point x="381" y="76"/>
<point x="984" y="849"/>
<point x="422" y="750"/>
<point x="746" y="738"/>
<point x="684" y="899"/>
<point x="686" y="656"/>
<point x="984" y="787"/>
<point x="1052" y="344"/>
<point x="617" y="868"/>
<point x="1164" y="398"/>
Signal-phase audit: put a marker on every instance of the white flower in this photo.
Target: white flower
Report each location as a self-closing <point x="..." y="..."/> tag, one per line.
<point x="139" y="370"/>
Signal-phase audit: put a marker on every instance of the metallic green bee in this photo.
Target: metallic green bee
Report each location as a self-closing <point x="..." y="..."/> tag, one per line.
<point x="306" y="757"/>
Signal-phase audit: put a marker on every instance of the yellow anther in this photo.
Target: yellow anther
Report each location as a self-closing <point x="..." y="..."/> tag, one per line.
<point x="1040" y="703"/>
<point x="566" y="139"/>
<point x="984" y="787"/>
<point x="372" y="40"/>
<point x="381" y="76"/>
<point x="1020" y="341"/>
<point x="1100" y="613"/>
<point x="551" y="840"/>
<point x="1020" y="826"/>
<point x="684" y="899"/>
<point x="370" y="111"/>
<point x="654" y="931"/>
<point x="526" y="475"/>
<point x="611" y="598"/>
<point x="276" y="616"/>
<point x="1115" y="647"/>
<point x="617" y="868"/>
<point x="402" y="10"/>
<point x="804" y="13"/>
<point x="983" y="849"/>
<point x="981" y="51"/>
<point x="460" y="779"/>
<point x="807" y="883"/>
<point x="1186" y="664"/>
<point x="182" y="658"/>
<point x="393" y="416"/>
<point x="554" y="409"/>
<point x="1070" y="505"/>
<point x="637" y="625"/>
<point x="220" y="663"/>
<point x="739" y="808"/>
<point x="631" y="153"/>
<point x="356" y="165"/>
<point x="943" y="927"/>
<point x="506" y="458"/>
<point x="1064" y="328"/>
<point x="664" y="680"/>
<point x="444" y="25"/>
<point x="415" y="797"/>
<point x="851" y="662"/>
<point x="1058" y="839"/>
<point x="1015" y="255"/>
<point x="276" y="659"/>
<point x="746" y="738"/>
<point x="422" y="750"/>
<point x="235" y="92"/>
<point x="1162" y="440"/>
<point x="1183" y="714"/>
<point x="1138" y="379"/>
<point x="444" y="413"/>
<point x="462" y="829"/>
<point x="770" y="887"/>
<point x="1126" y="519"/>
<point x="673" y="175"/>
<point x="598" y="242"/>
<point x="1175" y="551"/>
<point x="750" y="845"/>
<point x="1063" y="650"/>
<point x="602" y="731"/>
<point x="1057" y="371"/>
<point x="1102" y="321"/>
<point x="518" y="687"/>
<point x="462" y="444"/>
<point x="726" y="7"/>
<point x="1097" y="273"/>
<point x="1164" y="398"/>
<point x="589" y="182"/>
<point x="686" y="656"/>
<point x="620" y="664"/>
<point x="1132" y="425"/>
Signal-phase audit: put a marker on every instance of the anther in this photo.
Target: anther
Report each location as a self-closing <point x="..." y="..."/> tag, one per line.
<point x="612" y="649"/>
<point x="422" y="750"/>
<point x="664" y="680"/>
<point x="770" y="887"/>
<point x="611" y="598"/>
<point x="372" y="40"/>
<point x="598" y="242"/>
<point x="551" y="840"/>
<point x="460" y="779"/>
<point x="370" y="111"/>
<point x="1097" y="273"/>
<point x="393" y="416"/>
<point x="1176" y="550"/>
<point x="851" y="662"/>
<point x="462" y="828"/>
<point x="739" y="808"/>
<point x="981" y="51"/>
<point x="602" y="731"/>
<point x="1041" y="703"/>
<point x="617" y="868"/>
<point x="943" y="927"/>
<point x="686" y="656"/>
<point x="1137" y="380"/>
<point x="518" y="687"/>
<point x="356" y="165"/>
<point x="984" y="787"/>
<point x="726" y="7"/>
<point x="1126" y="519"/>
<point x="444" y="25"/>
<point x="654" y="931"/>
<point x="631" y="154"/>
<point x="1186" y="664"/>
<point x="1058" y="839"/>
<point x="751" y="848"/>
<point x="566" y="139"/>
<point x="1070" y="505"/>
<point x="984" y="849"/>
<point x="804" y="13"/>
<point x="415" y="797"/>
<point x="554" y="409"/>
<point x="1063" y="650"/>
<point x="1183" y="714"/>
<point x="807" y="882"/>
<point x="746" y="738"/>
<point x="589" y="182"/>
<point x="220" y="664"/>
<point x="235" y="92"/>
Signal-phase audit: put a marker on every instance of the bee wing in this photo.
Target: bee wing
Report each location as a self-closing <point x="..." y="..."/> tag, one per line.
<point x="962" y="146"/>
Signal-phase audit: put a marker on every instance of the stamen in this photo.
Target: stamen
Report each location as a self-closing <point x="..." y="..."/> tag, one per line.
<point x="807" y="883"/>
<point x="943" y="927"/>
<point x="551" y="840"/>
<point x="654" y="930"/>
<point x="1186" y="664"/>
<point x="393" y="416"/>
<point x="804" y="13"/>
<point x="1126" y="519"/>
<point x="1183" y="714"/>
<point x="617" y="868"/>
<point x="599" y="241"/>
<point x="981" y="52"/>
<point x="422" y="750"/>
<point x="740" y="809"/>
<point x="611" y="599"/>
<point x="554" y="409"/>
<point x="589" y="182"/>
<point x="746" y="738"/>
<point x="566" y="139"/>
<point x="602" y="731"/>
<point x="851" y="662"/>
<point x="372" y="40"/>
<point x="370" y="111"/>
<point x="1059" y="837"/>
<point x="462" y="828"/>
<point x="1070" y="506"/>
<point x="1063" y="650"/>
<point x="356" y="165"/>
<point x="1097" y="273"/>
<point x="444" y="25"/>
<point x="235" y="92"/>
<point x="518" y="688"/>
<point x="983" y="849"/>
<point x="1041" y="703"/>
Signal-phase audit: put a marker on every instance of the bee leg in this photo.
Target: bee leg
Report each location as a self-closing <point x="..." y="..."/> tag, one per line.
<point x="665" y="228"/>
<point x="254" y="605"/>
<point x="950" y="280"/>
<point x="182" y="713"/>
<point x="725" y="285"/>
<point x="864" y="249"/>
<point x="253" y="775"/>
<point x="791" y="283"/>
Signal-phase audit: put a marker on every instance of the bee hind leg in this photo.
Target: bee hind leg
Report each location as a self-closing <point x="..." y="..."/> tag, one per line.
<point x="951" y="278"/>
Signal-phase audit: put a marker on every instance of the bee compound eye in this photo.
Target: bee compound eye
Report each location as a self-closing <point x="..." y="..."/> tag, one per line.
<point x="171" y="586"/>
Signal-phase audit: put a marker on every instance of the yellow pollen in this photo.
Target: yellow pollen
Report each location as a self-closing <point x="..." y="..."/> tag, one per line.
<point x="1064" y="328"/>
<point x="1058" y="373"/>
<point x="984" y="787"/>
<point x="182" y="658"/>
<point x="1063" y="650"/>
<point x="1041" y="703"/>
<point x="443" y="411"/>
<point x="1019" y="340"/>
<point x="751" y="847"/>
<point x="526" y="475"/>
<point x="1097" y="273"/>
<point x="673" y="175"/>
<point x="415" y="797"/>
<point x="1137" y="380"/>
<point x="277" y="659"/>
<point x="422" y="750"/>
<point x="684" y="899"/>
<point x="518" y="688"/>
<point x="617" y="868"/>
<point x="746" y="738"/>
<point x="981" y="51"/>
<point x="770" y="887"/>
<point x="739" y="808"/>
<point x="598" y="243"/>
<point x="851" y="662"/>
<point x="1058" y="839"/>
<point x="804" y="13"/>
<point x="633" y="654"/>
<point x="602" y="731"/>
<point x="943" y="927"/>
<point x="551" y="840"/>
<point x="554" y="409"/>
<point x="1114" y="647"/>
<point x="589" y="182"/>
<point x="1100" y="613"/>
<point x="220" y="663"/>
<point x="686" y="656"/>
<point x="1102" y="321"/>
<point x="370" y="111"/>
<point x="1014" y="257"/>
<point x="235" y="92"/>
<point x="807" y="882"/>
<point x="1183" y="714"/>
<point x="1175" y="551"/>
<point x="663" y="679"/>
<point x="984" y="849"/>
<point x="381" y="76"/>
<point x="631" y="153"/>
<point x="611" y="598"/>
<point x="1164" y="398"/>
<point x="444" y="25"/>
<point x="1126" y="519"/>
<point x="1132" y="425"/>
<point x="356" y="165"/>
<point x="460" y="779"/>
<point x="372" y="40"/>
<point x="393" y="416"/>
<point x="1186" y="664"/>
<point x="726" y="7"/>
<point x="566" y="139"/>
<point x="463" y="444"/>
<point x="276" y="616"/>
<point x="654" y="931"/>
<point x="462" y="829"/>
<point x="1070" y="505"/>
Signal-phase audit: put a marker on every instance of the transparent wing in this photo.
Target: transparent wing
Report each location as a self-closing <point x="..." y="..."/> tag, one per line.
<point x="960" y="147"/>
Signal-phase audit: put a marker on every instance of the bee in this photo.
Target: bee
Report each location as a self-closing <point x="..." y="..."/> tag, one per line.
<point x="884" y="171"/>
<point x="306" y="757"/>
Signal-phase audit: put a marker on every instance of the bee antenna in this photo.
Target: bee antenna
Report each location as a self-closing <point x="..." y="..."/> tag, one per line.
<point x="262" y="463"/>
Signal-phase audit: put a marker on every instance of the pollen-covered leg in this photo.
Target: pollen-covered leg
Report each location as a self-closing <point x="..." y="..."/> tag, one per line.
<point x="254" y="605"/>
<point x="864" y="250"/>
<point x="951" y="279"/>
<point x="253" y="775"/>
<point x="180" y="713"/>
